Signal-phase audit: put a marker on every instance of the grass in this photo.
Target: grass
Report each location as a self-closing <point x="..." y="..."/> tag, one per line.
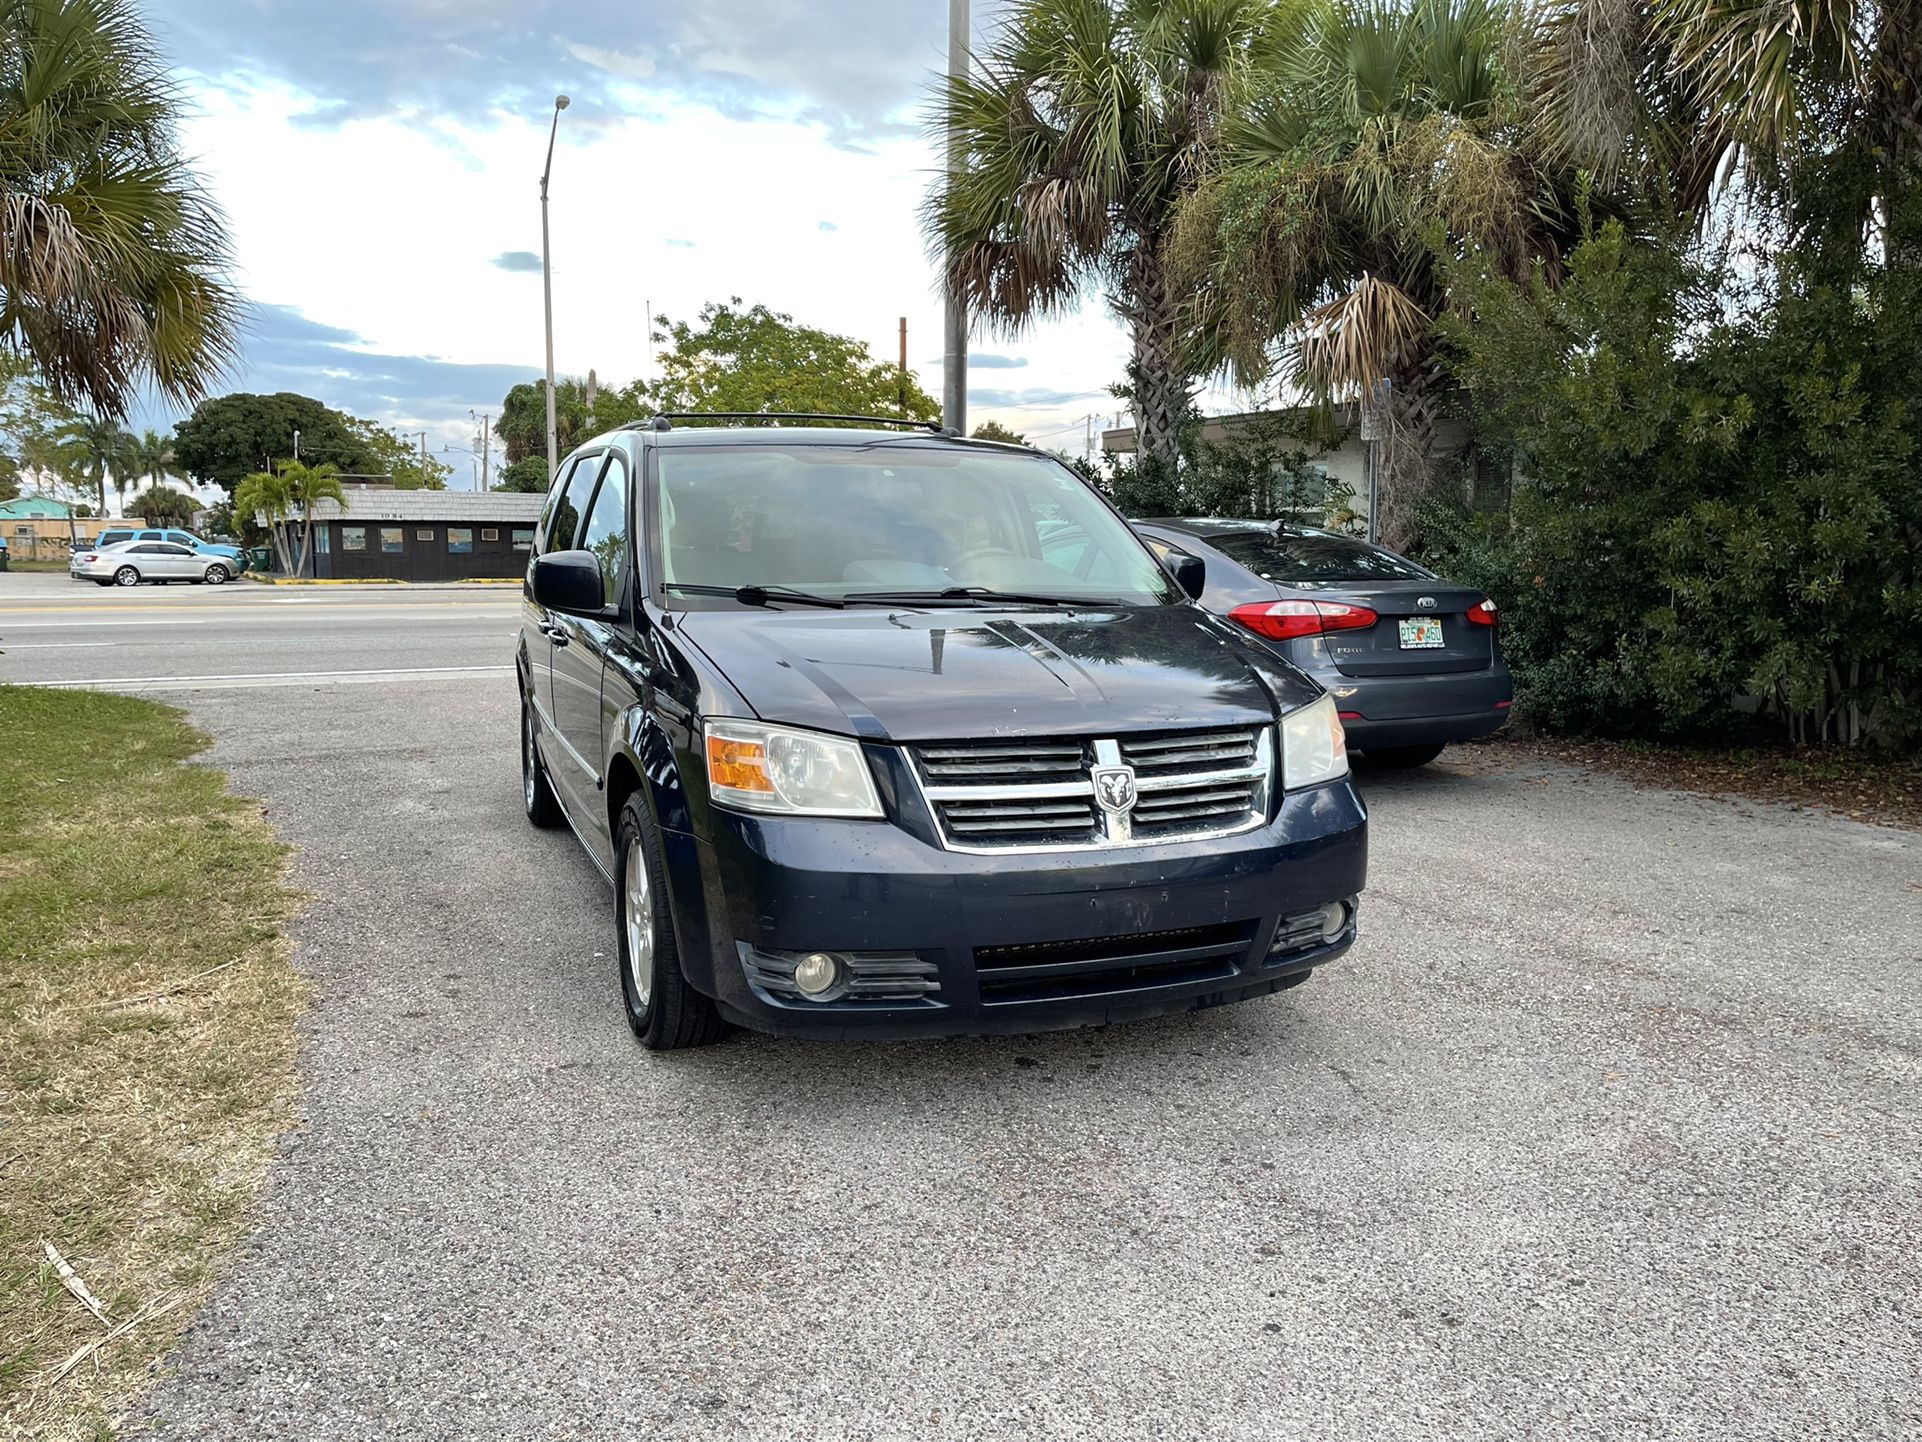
<point x="16" y="563"/>
<point x="147" y="1012"/>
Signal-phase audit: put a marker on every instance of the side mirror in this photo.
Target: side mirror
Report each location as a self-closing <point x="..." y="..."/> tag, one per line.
<point x="569" y="581"/>
<point x="1190" y="573"/>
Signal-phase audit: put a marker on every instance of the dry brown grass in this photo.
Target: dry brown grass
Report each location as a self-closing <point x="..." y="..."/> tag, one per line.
<point x="147" y="1014"/>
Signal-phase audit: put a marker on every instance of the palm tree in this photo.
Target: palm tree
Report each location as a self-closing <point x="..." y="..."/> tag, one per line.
<point x="288" y="494"/>
<point x="112" y="259"/>
<point x="1391" y="141"/>
<point x="269" y="496"/>
<point x="1814" y="107"/>
<point x="153" y="458"/>
<point x="97" y="446"/>
<point x="1085" y="124"/>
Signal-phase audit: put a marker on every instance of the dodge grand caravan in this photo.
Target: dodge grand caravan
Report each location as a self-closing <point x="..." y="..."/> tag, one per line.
<point x="879" y="732"/>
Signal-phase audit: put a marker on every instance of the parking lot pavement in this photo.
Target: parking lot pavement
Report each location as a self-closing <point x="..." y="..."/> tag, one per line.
<point x="1607" y="1128"/>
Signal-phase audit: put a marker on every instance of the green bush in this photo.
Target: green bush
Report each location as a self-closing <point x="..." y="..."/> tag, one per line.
<point x="1716" y="513"/>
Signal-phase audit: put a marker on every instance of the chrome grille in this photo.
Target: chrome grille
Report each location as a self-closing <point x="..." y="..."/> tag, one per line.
<point x="1040" y="796"/>
<point x="988" y="764"/>
<point x="1200" y="751"/>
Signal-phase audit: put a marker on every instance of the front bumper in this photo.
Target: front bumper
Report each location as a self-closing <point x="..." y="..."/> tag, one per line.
<point x="984" y="923"/>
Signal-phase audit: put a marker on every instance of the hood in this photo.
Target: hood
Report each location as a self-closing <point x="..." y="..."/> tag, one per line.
<point x="961" y="673"/>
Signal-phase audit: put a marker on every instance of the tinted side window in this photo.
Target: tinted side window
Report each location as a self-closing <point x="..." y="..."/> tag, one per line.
<point x="565" y="527"/>
<point x="554" y="493"/>
<point x="606" y="531"/>
<point x="181" y="538"/>
<point x="150" y="535"/>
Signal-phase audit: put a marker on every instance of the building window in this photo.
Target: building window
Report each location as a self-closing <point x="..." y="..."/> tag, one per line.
<point x="391" y="538"/>
<point x="460" y="540"/>
<point x="424" y="535"/>
<point x="353" y="538"/>
<point x="523" y="538"/>
<point x="323" y="535"/>
<point x="488" y="533"/>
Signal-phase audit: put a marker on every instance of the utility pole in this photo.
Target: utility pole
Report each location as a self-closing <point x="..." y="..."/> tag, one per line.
<point x="547" y="291"/>
<point x="486" y="444"/>
<point x="296" y="445"/>
<point x="423" y="458"/>
<point x="1088" y="449"/>
<point x="904" y="365"/>
<point x="954" y="356"/>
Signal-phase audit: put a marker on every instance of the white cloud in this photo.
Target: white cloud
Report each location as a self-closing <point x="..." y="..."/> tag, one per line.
<point x="615" y="62"/>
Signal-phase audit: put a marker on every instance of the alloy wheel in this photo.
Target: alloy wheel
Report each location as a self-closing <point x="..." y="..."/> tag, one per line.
<point x="126" y="576"/>
<point x="528" y="769"/>
<point x="639" y="920"/>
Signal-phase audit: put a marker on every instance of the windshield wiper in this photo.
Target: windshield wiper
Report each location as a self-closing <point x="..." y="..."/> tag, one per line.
<point x="753" y="595"/>
<point x="985" y="594"/>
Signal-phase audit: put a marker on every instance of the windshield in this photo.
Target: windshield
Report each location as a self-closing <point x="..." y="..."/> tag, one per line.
<point x="1288" y="558"/>
<point x="894" y="519"/>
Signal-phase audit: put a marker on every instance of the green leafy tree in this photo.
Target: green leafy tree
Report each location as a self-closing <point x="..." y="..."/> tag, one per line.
<point x="32" y="424"/>
<point x="753" y="359"/>
<point x="98" y="448"/>
<point x="522" y="423"/>
<point x="233" y="436"/>
<point x="1081" y="129"/>
<point x="163" y="506"/>
<point x="1716" y="498"/>
<point x="113" y="260"/>
<point x="386" y="453"/>
<point x="265" y="499"/>
<point x="528" y="475"/>
<point x="995" y="431"/>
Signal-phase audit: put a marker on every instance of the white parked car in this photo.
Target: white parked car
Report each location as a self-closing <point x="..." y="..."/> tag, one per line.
<point x="131" y="562"/>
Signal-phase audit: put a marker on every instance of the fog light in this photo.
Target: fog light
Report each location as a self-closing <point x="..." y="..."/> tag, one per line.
<point x="817" y="974"/>
<point x="1334" y="920"/>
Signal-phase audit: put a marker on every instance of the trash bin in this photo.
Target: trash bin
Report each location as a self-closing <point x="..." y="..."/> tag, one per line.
<point x="3" y="558"/>
<point x="260" y="558"/>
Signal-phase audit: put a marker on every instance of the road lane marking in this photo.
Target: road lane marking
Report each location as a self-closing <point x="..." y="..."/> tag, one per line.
<point x="6" y="646"/>
<point x="242" y="680"/>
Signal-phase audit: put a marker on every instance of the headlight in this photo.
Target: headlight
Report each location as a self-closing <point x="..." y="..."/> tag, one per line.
<point x="797" y="773"/>
<point x="1313" y="745"/>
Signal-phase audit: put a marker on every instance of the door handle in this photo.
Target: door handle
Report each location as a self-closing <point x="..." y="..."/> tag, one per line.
<point x="554" y="633"/>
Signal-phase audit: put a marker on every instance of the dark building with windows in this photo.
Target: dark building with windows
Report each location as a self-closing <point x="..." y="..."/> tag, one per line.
<point x="424" y="535"/>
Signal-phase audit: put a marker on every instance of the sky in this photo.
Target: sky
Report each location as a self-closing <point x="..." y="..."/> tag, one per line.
<point x="379" y="165"/>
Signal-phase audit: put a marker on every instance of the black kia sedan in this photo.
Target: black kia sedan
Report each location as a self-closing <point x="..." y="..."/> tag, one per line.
<point x="879" y="732"/>
<point x="1412" y="661"/>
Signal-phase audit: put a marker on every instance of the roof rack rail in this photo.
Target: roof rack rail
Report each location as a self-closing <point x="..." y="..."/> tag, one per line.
<point x="664" y="420"/>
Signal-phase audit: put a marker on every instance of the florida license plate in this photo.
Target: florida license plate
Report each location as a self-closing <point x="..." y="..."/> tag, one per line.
<point x="1421" y="633"/>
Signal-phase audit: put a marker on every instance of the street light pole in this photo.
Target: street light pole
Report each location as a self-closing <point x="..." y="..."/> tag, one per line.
<point x="954" y="358"/>
<point x="547" y="290"/>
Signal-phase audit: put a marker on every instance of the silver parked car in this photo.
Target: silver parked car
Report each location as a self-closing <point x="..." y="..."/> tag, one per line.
<point x="132" y="562"/>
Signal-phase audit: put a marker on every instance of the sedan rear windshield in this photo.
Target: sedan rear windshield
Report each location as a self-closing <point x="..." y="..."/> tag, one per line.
<point x="893" y="519"/>
<point x="1287" y="558"/>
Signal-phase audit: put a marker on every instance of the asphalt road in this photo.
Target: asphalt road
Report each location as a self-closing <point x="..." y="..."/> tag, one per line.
<point x="1608" y="1128"/>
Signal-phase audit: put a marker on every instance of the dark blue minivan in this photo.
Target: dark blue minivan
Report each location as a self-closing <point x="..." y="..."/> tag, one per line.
<point x="878" y="732"/>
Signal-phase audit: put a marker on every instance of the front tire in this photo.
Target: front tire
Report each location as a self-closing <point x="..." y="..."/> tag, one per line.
<point x="665" y="1013"/>
<point x="537" y="792"/>
<point x="126" y="576"/>
<point x="1403" y="758"/>
<point x="217" y="575"/>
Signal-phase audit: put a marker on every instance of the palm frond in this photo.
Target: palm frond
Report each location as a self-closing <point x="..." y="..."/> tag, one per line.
<point x="1342" y="348"/>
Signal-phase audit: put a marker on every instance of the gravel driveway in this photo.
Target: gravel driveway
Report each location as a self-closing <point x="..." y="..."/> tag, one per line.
<point x="1607" y="1128"/>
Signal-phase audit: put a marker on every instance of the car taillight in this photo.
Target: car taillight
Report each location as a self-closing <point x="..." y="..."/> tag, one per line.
<point x="1285" y="620"/>
<point x="1484" y="614"/>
